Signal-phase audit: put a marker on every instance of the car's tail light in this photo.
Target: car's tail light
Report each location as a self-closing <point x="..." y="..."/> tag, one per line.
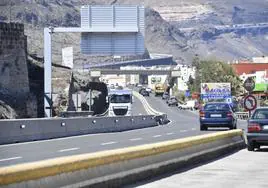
<point x="254" y="127"/>
<point x="202" y="114"/>
<point x="229" y="114"/>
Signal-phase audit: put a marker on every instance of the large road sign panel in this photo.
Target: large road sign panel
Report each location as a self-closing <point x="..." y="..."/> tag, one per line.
<point x="114" y="30"/>
<point x="210" y="91"/>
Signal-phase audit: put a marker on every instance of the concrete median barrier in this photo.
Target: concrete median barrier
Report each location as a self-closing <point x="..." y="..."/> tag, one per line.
<point x="119" y="167"/>
<point x="22" y="130"/>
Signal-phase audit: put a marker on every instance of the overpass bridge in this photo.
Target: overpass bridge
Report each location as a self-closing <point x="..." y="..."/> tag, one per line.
<point x="232" y="27"/>
<point x="134" y="71"/>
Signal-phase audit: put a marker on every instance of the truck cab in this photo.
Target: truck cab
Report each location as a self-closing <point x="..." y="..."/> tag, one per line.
<point x="120" y="102"/>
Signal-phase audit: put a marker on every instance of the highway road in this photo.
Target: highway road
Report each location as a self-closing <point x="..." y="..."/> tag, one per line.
<point x="183" y="124"/>
<point x="137" y="107"/>
<point x="242" y="169"/>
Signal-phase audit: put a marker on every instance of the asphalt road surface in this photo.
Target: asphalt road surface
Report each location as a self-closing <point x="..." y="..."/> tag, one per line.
<point x="183" y="124"/>
<point x="137" y="107"/>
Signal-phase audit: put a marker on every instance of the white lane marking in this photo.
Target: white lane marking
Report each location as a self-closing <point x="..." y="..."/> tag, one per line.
<point x="135" y="139"/>
<point x="108" y="143"/>
<point x="159" y="135"/>
<point x="69" y="149"/>
<point x="169" y="133"/>
<point x="183" y="131"/>
<point x="52" y="140"/>
<point x="9" y="159"/>
<point x="193" y="129"/>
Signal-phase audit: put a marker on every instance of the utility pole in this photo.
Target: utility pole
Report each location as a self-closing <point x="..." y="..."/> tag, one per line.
<point x="10" y="12"/>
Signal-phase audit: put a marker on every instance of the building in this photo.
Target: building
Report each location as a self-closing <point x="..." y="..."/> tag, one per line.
<point x="259" y="71"/>
<point x="249" y="68"/>
<point x="186" y="72"/>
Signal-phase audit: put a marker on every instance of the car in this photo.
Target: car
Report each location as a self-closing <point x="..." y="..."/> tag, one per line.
<point x="217" y="114"/>
<point x="144" y="92"/>
<point x="257" y="134"/>
<point x="149" y="89"/>
<point x="139" y="85"/>
<point x="189" y="105"/>
<point x="172" y="101"/>
<point x="141" y="89"/>
<point x="165" y="96"/>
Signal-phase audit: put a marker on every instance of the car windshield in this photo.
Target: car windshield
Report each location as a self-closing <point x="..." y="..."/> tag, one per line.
<point x="260" y="114"/>
<point x="222" y="107"/>
<point x="120" y="99"/>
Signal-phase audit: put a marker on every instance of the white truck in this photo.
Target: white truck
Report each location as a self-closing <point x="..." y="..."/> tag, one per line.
<point x="120" y="102"/>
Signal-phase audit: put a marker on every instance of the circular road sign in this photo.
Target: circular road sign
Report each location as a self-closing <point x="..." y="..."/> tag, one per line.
<point x="249" y="84"/>
<point x="250" y="102"/>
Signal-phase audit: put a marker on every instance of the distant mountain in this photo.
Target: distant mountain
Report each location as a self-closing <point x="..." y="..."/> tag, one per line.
<point x="182" y="28"/>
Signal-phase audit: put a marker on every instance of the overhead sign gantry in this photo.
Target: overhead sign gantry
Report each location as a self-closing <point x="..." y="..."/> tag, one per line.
<point x="105" y="30"/>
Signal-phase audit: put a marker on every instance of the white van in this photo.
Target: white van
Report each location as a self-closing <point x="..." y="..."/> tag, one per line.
<point x="189" y="105"/>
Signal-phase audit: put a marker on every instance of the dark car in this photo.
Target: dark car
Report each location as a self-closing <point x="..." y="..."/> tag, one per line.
<point x="217" y="114"/>
<point x="141" y="89"/>
<point x="144" y="92"/>
<point x="172" y="101"/>
<point x="257" y="134"/>
<point x="165" y="96"/>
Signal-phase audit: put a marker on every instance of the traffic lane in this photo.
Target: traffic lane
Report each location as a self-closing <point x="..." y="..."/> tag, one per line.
<point x="138" y="108"/>
<point x="242" y="169"/>
<point x="185" y="117"/>
<point x="40" y="150"/>
<point x="173" y="113"/>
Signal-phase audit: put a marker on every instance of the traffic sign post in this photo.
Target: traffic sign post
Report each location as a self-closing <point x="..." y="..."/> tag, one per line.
<point x="249" y="84"/>
<point x="250" y="103"/>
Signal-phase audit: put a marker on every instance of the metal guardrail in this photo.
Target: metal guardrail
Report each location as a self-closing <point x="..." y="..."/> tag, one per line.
<point x="242" y="115"/>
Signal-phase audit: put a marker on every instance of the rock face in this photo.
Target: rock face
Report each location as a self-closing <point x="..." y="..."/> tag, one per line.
<point x="14" y="81"/>
<point x="6" y="112"/>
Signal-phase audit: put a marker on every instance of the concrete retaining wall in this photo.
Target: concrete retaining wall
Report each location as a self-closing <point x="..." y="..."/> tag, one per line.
<point x="118" y="167"/>
<point x="38" y="129"/>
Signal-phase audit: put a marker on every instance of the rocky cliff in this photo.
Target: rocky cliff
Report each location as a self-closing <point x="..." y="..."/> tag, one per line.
<point x="14" y="81"/>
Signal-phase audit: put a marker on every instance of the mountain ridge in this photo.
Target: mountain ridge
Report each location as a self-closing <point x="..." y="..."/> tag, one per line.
<point x="163" y="34"/>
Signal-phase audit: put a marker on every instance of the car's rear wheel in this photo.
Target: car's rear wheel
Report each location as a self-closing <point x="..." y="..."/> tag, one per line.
<point x="257" y="146"/>
<point x="203" y="128"/>
<point x="250" y="147"/>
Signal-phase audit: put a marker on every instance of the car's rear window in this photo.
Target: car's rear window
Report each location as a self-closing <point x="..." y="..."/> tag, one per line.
<point x="216" y="107"/>
<point x="260" y="114"/>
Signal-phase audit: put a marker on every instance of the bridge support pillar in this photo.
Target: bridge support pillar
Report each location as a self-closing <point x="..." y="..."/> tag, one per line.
<point x="143" y="79"/>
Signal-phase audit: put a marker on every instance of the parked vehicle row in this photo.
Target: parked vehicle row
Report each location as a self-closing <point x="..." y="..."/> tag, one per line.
<point x="173" y="101"/>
